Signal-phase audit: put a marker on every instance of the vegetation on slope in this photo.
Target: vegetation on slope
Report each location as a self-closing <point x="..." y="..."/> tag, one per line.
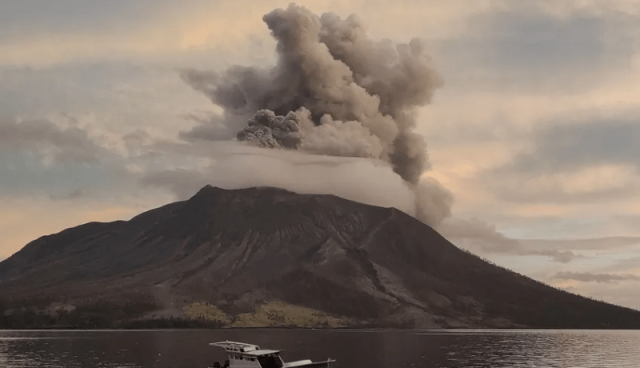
<point x="279" y="314"/>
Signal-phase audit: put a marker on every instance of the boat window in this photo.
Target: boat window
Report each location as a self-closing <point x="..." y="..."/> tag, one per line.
<point x="270" y="361"/>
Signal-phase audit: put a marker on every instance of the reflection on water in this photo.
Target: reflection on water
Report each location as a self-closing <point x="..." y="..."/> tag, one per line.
<point x="370" y="349"/>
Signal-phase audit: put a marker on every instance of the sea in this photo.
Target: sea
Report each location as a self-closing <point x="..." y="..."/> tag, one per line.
<point x="350" y="348"/>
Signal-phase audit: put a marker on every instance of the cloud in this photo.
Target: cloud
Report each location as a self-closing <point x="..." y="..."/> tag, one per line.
<point x="53" y="144"/>
<point x="577" y="144"/>
<point x="573" y="161"/>
<point x="626" y="223"/>
<point x="540" y="48"/>
<point x="630" y="264"/>
<point x="183" y="183"/>
<point x="480" y="237"/>
<point x="75" y="194"/>
<point x="527" y="52"/>
<point x="590" y="184"/>
<point x="77" y="31"/>
<point x="617" y="243"/>
<point x="212" y="126"/>
<point x="235" y="165"/>
<point x="527" y="42"/>
<point x="70" y="15"/>
<point x="64" y="160"/>
<point x="152" y="30"/>
<point x="606" y="278"/>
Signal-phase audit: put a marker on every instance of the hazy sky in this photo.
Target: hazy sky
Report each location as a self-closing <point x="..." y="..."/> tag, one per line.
<point x="536" y="130"/>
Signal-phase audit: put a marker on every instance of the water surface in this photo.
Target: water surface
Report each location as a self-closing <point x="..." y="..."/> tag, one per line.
<point x="352" y="349"/>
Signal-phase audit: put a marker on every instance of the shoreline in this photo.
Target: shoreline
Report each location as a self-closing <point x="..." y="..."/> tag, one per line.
<point x="80" y="329"/>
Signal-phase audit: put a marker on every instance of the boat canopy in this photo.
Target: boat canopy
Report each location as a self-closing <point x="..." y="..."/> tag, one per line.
<point x="263" y="352"/>
<point x="240" y="347"/>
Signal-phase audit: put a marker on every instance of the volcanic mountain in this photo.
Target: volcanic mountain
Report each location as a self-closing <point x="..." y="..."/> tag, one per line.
<point x="236" y="251"/>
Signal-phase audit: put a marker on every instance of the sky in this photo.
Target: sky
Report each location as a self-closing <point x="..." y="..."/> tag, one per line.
<point x="535" y="130"/>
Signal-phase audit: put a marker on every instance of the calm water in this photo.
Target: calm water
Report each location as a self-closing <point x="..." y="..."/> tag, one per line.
<point x="352" y="349"/>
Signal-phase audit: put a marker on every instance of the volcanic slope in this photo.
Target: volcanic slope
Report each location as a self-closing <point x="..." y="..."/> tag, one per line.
<point x="236" y="250"/>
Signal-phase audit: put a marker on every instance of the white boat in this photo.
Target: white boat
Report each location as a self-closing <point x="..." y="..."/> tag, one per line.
<point x="241" y="355"/>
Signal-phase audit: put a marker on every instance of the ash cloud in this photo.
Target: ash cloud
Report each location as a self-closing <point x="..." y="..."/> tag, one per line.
<point x="333" y="91"/>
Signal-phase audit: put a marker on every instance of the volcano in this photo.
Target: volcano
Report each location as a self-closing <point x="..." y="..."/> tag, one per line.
<point x="238" y="254"/>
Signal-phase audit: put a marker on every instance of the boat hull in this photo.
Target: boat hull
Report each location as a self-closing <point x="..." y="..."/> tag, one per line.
<point x="323" y="364"/>
<point x="318" y="365"/>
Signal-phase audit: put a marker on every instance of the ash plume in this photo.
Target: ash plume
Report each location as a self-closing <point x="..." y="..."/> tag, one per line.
<point x="334" y="91"/>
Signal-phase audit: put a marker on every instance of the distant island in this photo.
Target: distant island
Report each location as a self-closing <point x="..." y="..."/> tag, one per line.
<point x="267" y="257"/>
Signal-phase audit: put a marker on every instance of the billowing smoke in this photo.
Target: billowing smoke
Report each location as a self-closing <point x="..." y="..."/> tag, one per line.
<point x="270" y="131"/>
<point x="334" y="91"/>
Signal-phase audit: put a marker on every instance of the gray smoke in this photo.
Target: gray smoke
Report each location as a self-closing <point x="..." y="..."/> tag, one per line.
<point x="270" y="131"/>
<point x="298" y="131"/>
<point x="334" y="91"/>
